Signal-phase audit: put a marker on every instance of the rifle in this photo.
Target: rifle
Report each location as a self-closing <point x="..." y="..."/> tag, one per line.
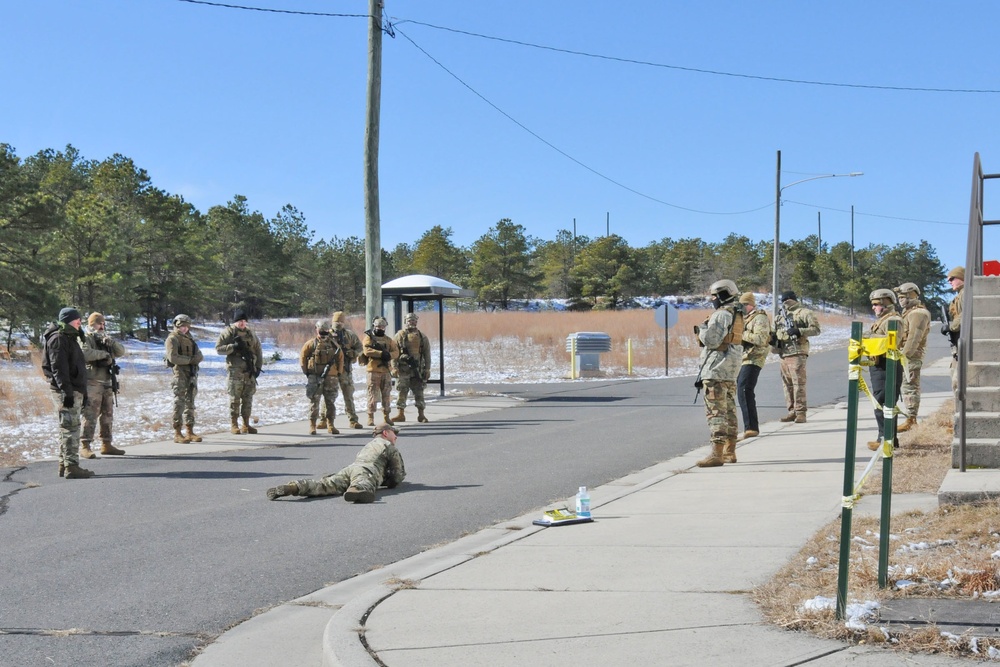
<point x="946" y="326"/>
<point x="246" y="355"/>
<point x="698" y="383"/>
<point x="105" y="343"/>
<point x="789" y="323"/>
<point x="377" y="345"/>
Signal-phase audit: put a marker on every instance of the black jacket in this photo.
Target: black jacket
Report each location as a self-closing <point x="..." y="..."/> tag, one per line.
<point x="64" y="365"/>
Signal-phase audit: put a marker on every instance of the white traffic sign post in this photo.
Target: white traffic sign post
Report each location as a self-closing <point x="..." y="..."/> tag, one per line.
<point x="666" y="316"/>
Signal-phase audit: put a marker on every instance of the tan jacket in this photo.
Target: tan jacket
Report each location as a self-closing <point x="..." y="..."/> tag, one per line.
<point x="916" y="325"/>
<point x="373" y="346"/>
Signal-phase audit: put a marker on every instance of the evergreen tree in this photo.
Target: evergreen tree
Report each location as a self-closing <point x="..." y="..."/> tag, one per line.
<point x="501" y="265"/>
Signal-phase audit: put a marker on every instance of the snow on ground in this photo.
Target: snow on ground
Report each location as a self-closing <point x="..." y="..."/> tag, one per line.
<point x="145" y="403"/>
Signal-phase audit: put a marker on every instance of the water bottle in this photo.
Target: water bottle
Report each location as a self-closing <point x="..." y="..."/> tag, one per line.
<point x="583" y="503"/>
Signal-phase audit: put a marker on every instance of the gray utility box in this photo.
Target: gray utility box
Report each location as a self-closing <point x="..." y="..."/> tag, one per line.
<point x="589" y="345"/>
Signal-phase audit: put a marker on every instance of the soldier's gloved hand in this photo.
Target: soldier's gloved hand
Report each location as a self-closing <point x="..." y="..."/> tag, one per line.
<point x="404" y="358"/>
<point x="773" y="340"/>
<point x="68" y="400"/>
<point x="239" y="345"/>
<point x="793" y="331"/>
<point x="386" y="356"/>
<point x="945" y="330"/>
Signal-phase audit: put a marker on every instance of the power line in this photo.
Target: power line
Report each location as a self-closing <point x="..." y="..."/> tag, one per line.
<point x="697" y="70"/>
<point x="874" y="215"/>
<point x="273" y="11"/>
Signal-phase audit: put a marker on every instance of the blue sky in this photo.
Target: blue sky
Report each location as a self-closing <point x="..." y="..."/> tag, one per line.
<point x="215" y="102"/>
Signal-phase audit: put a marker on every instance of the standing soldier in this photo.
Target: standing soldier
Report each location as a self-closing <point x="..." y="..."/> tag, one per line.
<point x="380" y="351"/>
<point x="721" y="338"/>
<point x="953" y="327"/>
<point x="183" y="356"/>
<point x="100" y="351"/>
<point x="884" y="305"/>
<point x="322" y="361"/>
<point x="916" y="325"/>
<point x="351" y="346"/>
<point x="412" y="368"/>
<point x="244" y="358"/>
<point x="756" y="334"/>
<point x="66" y="371"/>
<point x="790" y="340"/>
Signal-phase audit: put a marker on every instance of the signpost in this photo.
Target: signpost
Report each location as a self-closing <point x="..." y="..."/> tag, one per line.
<point x="666" y="316"/>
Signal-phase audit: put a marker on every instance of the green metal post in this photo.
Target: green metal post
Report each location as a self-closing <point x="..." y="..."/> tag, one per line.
<point x="888" y="438"/>
<point x="852" y="440"/>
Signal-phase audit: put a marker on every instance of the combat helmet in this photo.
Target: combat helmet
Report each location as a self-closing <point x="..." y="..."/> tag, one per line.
<point x="957" y="272"/>
<point x="879" y="296"/>
<point x="724" y="289"/>
<point x="323" y="326"/>
<point x="182" y="320"/>
<point x="411" y="318"/>
<point x="379" y="322"/>
<point x="907" y="288"/>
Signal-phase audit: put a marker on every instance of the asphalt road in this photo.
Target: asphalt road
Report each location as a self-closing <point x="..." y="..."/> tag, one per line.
<point x="158" y="555"/>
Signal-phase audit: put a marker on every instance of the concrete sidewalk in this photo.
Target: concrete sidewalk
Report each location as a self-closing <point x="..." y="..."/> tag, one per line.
<point x="660" y="577"/>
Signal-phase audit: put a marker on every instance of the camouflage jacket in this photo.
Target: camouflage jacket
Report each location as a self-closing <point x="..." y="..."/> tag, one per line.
<point x="719" y="364"/>
<point x="383" y="459"/>
<point x="350" y="344"/>
<point x="955" y="310"/>
<point x="322" y="353"/>
<point x="756" y="334"/>
<point x="63" y="363"/>
<point x="100" y="351"/>
<point x="226" y="345"/>
<point x="373" y="346"/>
<point x="182" y="353"/>
<point x="916" y="325"/>
<point x="807" y="324"/>
<point x="414" y="353"/>
<point x="880" y="329"/>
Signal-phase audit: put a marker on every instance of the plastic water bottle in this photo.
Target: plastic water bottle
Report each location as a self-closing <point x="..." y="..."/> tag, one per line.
<point x="583" y="503"/>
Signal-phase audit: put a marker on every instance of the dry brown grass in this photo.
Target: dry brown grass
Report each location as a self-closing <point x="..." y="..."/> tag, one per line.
<point x="947" y="552"/>
<point x="21" y="393"/>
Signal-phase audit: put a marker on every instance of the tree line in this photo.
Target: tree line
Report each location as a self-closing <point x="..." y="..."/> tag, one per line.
<point x="100" y="236"/>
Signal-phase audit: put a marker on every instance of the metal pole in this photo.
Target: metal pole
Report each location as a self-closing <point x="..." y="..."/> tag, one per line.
<point x="373" y="241"/>
<point x="819" y="234"/>
<point x="777" y="239"/>
<point x="889" y="428"/>
<point x="846" y="512"/>
<point x="852" y="258"/>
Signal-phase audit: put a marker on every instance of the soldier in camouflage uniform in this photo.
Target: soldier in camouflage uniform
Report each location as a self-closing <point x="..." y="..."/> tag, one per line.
<point x="721" y="339"/>
<point x="100" y="351"/>
<point x="790" y="340"/>
<point x="916" y="325"/>
<point x="756" y="334"/>
<point x="412" y="368"/>
<point x="183" y="356"/>
<point x="66" y="371"/>
<point x="380" y="351"/>
<point x="953" y="327"/>
<point x="244" y="359"/>
<point x="351" y="346"/>
<point x="884" y="305"/>
<point x="377" y="464"/>
<point x="322" y="361"/>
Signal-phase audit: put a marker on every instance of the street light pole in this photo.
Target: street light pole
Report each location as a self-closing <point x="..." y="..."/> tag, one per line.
<point x="777" y="223"/>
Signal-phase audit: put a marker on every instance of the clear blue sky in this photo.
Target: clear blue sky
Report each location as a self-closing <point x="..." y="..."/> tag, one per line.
<point x="215" y="102"/>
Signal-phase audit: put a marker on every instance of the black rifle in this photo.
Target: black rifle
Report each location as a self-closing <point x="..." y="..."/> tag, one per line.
<point x="104" y="342"/>
<point x="377" y="345"/>
<point x="246" y="355"/>
<point x="789" y="323"/>
<point x="946" y="320"/>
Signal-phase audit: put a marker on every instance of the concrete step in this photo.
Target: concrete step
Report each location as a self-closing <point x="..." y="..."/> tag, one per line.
<point x="982" y="399"/>
<point x="986" y="305"/>
<point x="969" y="486"/>
<point x="985" y="327"/>
<point x="979" y="453"/>
<point x="983" y="373"/>
<point x="981" y="424"/>
<point x="986" y="349"/>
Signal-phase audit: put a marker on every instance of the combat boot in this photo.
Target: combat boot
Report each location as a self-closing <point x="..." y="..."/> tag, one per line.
<point x="399" y="416"/>
<point x="180" y="437"/>
<point x="749" y="433"/>
<point x="790" y="417"/>
<point x="356" y="495"/>
<point x="713" y="460"/>
<point x="76" y="472"/>
<point x="290" y="489"/>
<point x="85" y="451"/>
<point x="907" y="425"/>
<point x="192" y="436"/>
<point x="385" y="415"/>
<point x="729" y="452"/>
<point x="234" y="426"/>
<point x="107" y="449"/>
<point x="332" y="429"/>
<point x="371" y="419"/>
<point x="62" y="469"/>
<point x="356" y="424"/>
<point x="312" y="427"/>
<point x="321" y="423"/>
<point x="247" y="428"/>
<point x="421" y="417"/>
<point x="875" y="445"/>
<point x="800" y="418"/>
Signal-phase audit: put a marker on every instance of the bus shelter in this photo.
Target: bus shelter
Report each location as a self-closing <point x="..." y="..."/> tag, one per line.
<point x="400" y="295"/>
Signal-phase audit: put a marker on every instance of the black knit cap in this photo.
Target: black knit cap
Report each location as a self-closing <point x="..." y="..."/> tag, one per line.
<point x="67" y="315"/>
<point x="239" y="314"/>
<point x="788" y="295"/>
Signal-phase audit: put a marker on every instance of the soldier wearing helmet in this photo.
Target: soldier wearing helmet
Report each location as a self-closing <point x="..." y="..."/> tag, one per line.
<point x="790" y="340"/>
<point x="244" y="360"/>
<point x="916" y="325"/>
<point x="721" y="338"/>
<point x="953" y="327"/>
<point x="884" y="304"/>
<point x="380" y="351"/>
<point x="322" y="361"/>
<point x="351" y="346"/>
<point x="756" y="334"/>
<point x="412" y="368"/>
<point x="183" y="357"/>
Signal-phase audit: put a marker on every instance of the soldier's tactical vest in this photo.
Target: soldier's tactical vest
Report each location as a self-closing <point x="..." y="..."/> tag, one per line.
<point x="411" y="344"/>
<point x="324" y="352"/>
<point x="185" y="347"/>
<point x="735" y="335"/>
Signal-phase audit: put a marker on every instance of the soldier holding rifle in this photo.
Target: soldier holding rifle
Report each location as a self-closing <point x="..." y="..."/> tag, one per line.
<point x="100" y="351"/>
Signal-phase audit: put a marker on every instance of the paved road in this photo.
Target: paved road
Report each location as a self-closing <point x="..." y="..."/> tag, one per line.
<point x="158" y="555"/>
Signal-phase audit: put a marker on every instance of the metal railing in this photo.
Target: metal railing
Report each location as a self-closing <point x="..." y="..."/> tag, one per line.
<point x="973" y="268"/>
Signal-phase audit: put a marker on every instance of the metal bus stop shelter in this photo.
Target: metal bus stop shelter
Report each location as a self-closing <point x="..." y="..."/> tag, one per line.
<point x="418" y="287"/>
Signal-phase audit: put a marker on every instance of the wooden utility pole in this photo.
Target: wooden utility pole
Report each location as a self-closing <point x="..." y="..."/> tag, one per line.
<point x="373" y="240"/>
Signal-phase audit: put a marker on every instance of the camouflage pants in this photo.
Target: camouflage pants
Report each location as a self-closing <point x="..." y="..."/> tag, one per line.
<point x="720" y="410"/>
<point x="100" y="409"/>
<point x="185" y="388"/>
<point x="242" y="387"/>
<point x="793" y="381"/>
<point x="346" y="380"/>
<point x="407" y="383"/>
<point x="335" y="484"/>
<point x="69" y="428"/>
<point x="322" y="391"/>
<point x="379" y="390"/>
<point x="911" y="386"/>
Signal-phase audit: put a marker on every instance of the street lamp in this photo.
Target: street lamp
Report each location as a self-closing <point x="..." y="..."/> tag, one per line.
<point x="777" y="223"/>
